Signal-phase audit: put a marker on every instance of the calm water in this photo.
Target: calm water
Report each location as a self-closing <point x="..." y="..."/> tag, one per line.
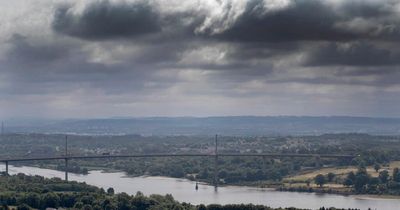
<point x="184" y="190"/>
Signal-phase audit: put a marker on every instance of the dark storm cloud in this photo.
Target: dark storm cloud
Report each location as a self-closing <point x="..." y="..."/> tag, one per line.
<point x="104" y="20"/>
<point x="55" y="67"/>
<point x="311" y="20"/>
<point x="353" y="54"/>
<point x="257" y="38"/>
<point x="257" y="33"/>
<point x="132" y="53"/>
<point x="305" y="20"/>
<point x="367" y="9"/>
<point x="301" y="20"/>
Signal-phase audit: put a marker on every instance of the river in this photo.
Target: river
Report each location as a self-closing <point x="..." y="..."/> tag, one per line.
<point x="184" y="190"/>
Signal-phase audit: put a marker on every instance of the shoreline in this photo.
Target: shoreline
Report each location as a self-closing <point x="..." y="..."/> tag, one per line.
<point x="271" y="187"/>
<point x="376" y="197"/>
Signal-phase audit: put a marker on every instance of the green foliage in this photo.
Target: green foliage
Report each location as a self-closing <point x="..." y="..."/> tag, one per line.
<point x="23" y="207"/>
<point x="384" y="176"/>
<point x="377" y="167"/>
<point x="363" y="183"/>
<point x="320" y="180"/>
<point x="396" y="175"/>
<point x="330" y="177"/>
<point x="91" y="198"/>
<point x="373" y="151"/>
<point x="110" y="191"/>
<point x="362" y="179"/>
<point x="51" y="200"/>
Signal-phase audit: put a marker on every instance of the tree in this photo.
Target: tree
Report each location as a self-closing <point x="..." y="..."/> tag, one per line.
<point x="320" y="180"/>
<point x="177" y="172"/>
<point x="396" y="175"/>
<point x="384" y="176"/>
<point x="78" y="205"/>
<point x="23" y="207"/>
<point x="351" y="176"/>
<point x="87" y="207"/>
<point x="110" y="191"/>
<point x="87" y="199"/>
<point x="377" y="167"/>
<point x="362" y="179"/>
<point x="331" y="176"/>
<point x="33" y="200"/>
<point x="51" y="200"/>
<point x="374" y="181"/>
<point x="203" y="174"/>
<point x="67" y="200"/>
<point x="123" y="201"/>
<point x="347" y="182"/>
<point x="97" y="207"/>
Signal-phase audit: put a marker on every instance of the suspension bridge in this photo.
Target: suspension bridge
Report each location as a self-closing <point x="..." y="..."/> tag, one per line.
<point x="66" y="157"/>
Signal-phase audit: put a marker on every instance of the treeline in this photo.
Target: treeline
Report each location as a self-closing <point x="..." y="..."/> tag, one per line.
<point x="359" y="182"/>
<point x="73" y="167"/>
<point x="364" y="183"/>
<point x="232" y="170"/>
<point x="26" y="192"/>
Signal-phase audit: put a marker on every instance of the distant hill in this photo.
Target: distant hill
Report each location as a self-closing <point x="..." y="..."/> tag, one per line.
<point x="234" y="125"/>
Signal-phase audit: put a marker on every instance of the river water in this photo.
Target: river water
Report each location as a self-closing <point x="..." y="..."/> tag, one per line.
<point x="184" y="190"/>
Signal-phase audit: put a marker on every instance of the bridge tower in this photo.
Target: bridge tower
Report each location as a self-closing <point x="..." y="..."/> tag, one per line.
<point x="318" y="161"/>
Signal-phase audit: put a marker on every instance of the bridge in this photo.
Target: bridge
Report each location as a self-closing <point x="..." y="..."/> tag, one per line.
<point x="215" y="155"/>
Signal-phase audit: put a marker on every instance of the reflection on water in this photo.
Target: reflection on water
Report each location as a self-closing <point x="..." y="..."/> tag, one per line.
<point x="184" y="190"/>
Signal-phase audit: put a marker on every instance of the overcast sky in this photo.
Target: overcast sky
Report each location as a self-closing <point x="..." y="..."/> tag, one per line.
<point x="91" y="59"/>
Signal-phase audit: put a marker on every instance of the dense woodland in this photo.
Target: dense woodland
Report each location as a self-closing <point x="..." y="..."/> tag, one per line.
<point x="26" y="192"/>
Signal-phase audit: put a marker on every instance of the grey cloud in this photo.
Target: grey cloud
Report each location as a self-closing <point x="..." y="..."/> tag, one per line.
<point x="305" y="20"/>
<point x="255" y="50"/>
<point x="22" y="51"/>
<point x="301" y="20"/>
<point x="310" y="20"/>
<point x="352" y="54"/>
<point x="105" y="20"/>
<point x="367" y="8"/>
<point x="112" y="48"/>
<point x="53" y="67"/>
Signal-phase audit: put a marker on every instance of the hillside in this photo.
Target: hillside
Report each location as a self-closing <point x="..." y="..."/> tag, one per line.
<point x="231" y="125"/>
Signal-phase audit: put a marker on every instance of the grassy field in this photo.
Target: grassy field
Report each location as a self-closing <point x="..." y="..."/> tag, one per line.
<point x="301" y="179"/>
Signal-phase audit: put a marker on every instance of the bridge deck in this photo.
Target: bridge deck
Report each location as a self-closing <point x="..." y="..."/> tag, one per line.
<point x="174" y="155"/>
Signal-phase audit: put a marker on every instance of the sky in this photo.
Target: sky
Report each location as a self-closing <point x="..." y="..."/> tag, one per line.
<point x="135" y="58"/>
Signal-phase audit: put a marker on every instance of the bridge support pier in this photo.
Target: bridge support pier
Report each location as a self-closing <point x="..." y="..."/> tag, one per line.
<point x="318" y="162"/>
<point x="216" y="163"/>
<point x="216" y="172"/>
<point x="66" y="169"/>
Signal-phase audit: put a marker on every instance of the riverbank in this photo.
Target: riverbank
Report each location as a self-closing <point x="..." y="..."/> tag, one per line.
<point x="184" y="190"/>
<point x="301" y="182"/>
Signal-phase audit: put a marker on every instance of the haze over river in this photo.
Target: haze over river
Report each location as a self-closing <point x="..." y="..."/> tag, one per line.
<point x="184" y="190"/>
